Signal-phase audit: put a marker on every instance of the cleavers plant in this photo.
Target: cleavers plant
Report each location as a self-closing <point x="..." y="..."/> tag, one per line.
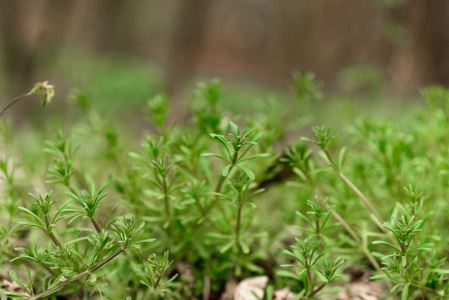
<point x="205" y="203"/>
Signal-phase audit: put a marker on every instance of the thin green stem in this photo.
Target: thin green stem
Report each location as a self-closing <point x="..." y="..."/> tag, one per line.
<point x="80" y="290"/>
<point x="317" y="226"/>
<point x="166" y="198"/>
<point x="309" y="277"/>
<point x="51" y="235"/>
<point x="421" y="287"/>
<point x="15" y="100"/>
<point x="151" y="292"/>
<point x="316" y="291"/>
<point x="223" y="178"/>
<point x="11" y="256"/>
<point x="365" y="200"/>
<point x="361" y="196"/>
<point x="349" y="229"/>
<point x="237" y="227"/>
<point x="336" y="215"/>
<point x="47" y="268"/>
<point x="345" y="225"/>
<point x="92" y="219"/>
<point x="95" y="223"/>
<point x="354" y="188"/>
<point x="77" y="277"/>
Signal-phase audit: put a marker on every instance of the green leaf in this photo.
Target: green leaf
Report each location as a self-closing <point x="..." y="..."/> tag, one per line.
<point x="30" y="224"/>
<point x="36" y="89"/>
<point x="32" y="214"/>
<point x="404" y="261"/>
<point x="386" y="244"/>
<point x="395" y="287"/>
<point x="244" y="246"/>
<point x="288" y="274"/>
<point x="145" y="241"/>
<point x="254" y="157"/>
<point x="234" y="128"/>
<point x="323" y="155"/>
<point x="424" y="247"/>
<point x="307" y="140"/>
<point x="220" y="235"/>
<point x="441" y="271"/>
<point x="13" y="295"/>
<point x="330" y="290"/>
<point x="226" y="169"/>
<point x="404" y="295"/>
<point x="247" y="171"/>
<point x="219" y="138"/>
<point x="319" y="274"/>
<point x="341" y="158"/>
<point x="215" y="155"/>
<point x="227" y="246"/>
<point x="14" y="276"/>
<point x="48" y="97"/>
<point x="300" y="174"/>
<point x="59" y="211"/>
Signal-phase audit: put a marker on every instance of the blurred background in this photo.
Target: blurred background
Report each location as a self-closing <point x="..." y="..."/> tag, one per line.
<point x="123" y="52"/>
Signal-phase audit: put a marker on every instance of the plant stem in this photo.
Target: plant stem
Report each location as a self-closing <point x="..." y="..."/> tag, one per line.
<point x="365" y="200"/>
<point x="349" y="229"/>
<point x="345" y="225"/>
<point x="218" y="188"/>
<point x="317" y="290"/>
<point x="75" y="278"/>
<point x="147" y="296"/>
<point x="52" y="236"/>
<point x="80" y="290"/>
<point x="92" y="219"/>
<point x="237" y="227"/>
<point x="354" y="189"/>
<point x="362" y="196"/>
<point x="29" y="263"/>
<point x="49" y="270"/>
<point x="55" y="240"/>
<point x="15" y="100"/>
<point x="222" y="178"/>
<point x="356" y="238"/>
<point x="95" y="223"/>
<point x="309" y="278"/>
<point x="166" y="198"/>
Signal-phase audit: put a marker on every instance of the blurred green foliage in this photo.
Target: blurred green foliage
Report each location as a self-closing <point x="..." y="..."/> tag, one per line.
<point x="229" y="193"/>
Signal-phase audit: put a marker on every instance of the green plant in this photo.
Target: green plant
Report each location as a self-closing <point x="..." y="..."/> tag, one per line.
<point x="235" y="155"/>
<point x="155" y="268"/>
<point x="322" y="138"/>
<point x="404" y="267"/>
<point x="316" y="270"/>
<point x="222" y="199"/>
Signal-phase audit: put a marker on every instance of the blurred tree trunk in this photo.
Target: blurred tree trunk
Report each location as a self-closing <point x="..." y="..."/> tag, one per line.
<point x="292" y="18"/>
<point x="187" y="43"/>
<point x="27" y="30"/>
<point x="423" y="59"/>
<point x="436" y="38"/>
<point x="109" y="16"/>
<point x="18" y="55"/>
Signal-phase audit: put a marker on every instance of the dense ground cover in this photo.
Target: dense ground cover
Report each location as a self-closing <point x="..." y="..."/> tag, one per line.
<point x="223" y="196"/>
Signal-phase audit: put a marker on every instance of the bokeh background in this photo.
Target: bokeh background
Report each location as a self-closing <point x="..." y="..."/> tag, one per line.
<point x="123" y="52"/>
